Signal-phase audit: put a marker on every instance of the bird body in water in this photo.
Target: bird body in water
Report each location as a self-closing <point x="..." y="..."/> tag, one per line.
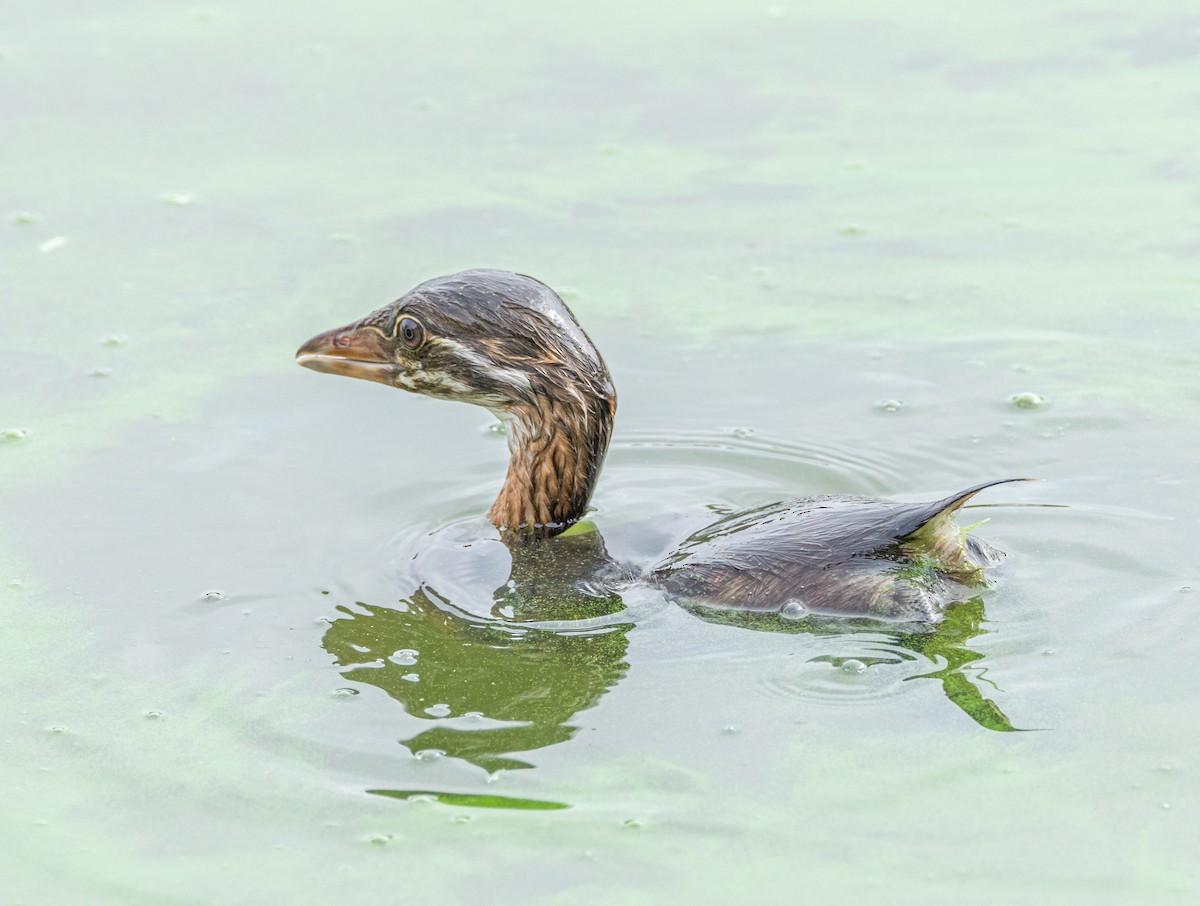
<point x="507" y="342"/>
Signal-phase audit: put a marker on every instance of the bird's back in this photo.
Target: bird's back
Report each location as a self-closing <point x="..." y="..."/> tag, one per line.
<point x="832" y="555"/>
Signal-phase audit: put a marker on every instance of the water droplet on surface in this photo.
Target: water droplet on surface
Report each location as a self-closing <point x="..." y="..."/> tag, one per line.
<point x="13" y="435"/>
<point x="430" y="755"/>
<point x="441" y="710"/>
<point x="793" y="610"/>
<point x="889" y="405"/>
<point x="853" y="666"/>
<point x="152" y="715"/>
<point x="496" y="428"/>
<point x="1027" y="400"/>
<point x="405" y="657"/>
<point x="343" y="692"/>
<point x="53" y="244"/>
<point x="177" y="199"/>
<point x="23" y="218"/>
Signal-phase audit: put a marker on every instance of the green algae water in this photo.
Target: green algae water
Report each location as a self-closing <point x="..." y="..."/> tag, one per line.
<point x="255" y="647"/>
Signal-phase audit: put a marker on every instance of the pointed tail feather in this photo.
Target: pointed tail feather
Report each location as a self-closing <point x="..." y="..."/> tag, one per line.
<point x="933" y="533"/>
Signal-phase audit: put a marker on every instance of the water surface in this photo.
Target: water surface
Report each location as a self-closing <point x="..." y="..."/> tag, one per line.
<point x="249" y="648"/>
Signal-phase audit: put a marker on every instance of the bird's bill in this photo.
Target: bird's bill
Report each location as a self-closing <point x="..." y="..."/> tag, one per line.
<point x="356" y="351"/>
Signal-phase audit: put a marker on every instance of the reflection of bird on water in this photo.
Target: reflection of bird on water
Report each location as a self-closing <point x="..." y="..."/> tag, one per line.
<point x="507" y="688"/>
<point x="507" y="342"/>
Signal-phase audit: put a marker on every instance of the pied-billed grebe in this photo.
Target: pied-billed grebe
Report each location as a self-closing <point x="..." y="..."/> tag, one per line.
<point x="507" y="342"/>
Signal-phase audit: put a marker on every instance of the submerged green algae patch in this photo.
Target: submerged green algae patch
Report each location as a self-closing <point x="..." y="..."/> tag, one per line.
<point x="473" y="800"/>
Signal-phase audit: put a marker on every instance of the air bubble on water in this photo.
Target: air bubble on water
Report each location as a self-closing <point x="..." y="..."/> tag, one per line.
<point x="13" y="435"/>
<point x="852" y="229"/>
<point x="474" y="716"/>
<point x="115" y="339"/>
<point x="425" y="105"/>
<point x="793" y="610"/>
<point x="1049" y="652"/>
<point x="214" y="595"/>
<point x="411" y="677"/>
<point x="405" y="657"/>
<point x="440" y="710"/>
<point x="495" y="428"/>
<point x="100" y="372"/>
<point x="1185" y="588"/>
<point x="378" y="839"/>
<point x="343" y="692"/>
<point x="430" y="755"/>
<point x="57" y="731"/>
<point x="177" y="199"/>
<point x="23" y="218"/>
<point x="889" y="405"/>
<point x="52" y="244"/>
<point x="742" y="433"/>
<point x="731" y="730"/>
<point x="461" y="819"/>
<point x="152" y="715"/>
<point x="853" y="666"/>
<point x="343" y="238"/>
<point x="634" y="823"/>
<point x="1027" y="400"/>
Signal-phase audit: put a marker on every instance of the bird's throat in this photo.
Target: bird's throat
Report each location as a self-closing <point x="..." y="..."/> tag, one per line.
<point x="556" y="450"/>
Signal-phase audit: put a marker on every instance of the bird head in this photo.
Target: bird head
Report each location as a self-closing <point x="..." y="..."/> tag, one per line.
<point x="493" y="338"/>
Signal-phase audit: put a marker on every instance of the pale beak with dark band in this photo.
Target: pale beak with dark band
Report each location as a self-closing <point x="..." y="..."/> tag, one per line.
<point x="356" y="350"/>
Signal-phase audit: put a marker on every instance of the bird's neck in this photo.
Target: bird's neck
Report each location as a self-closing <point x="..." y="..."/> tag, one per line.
<point x="556" y="446"/>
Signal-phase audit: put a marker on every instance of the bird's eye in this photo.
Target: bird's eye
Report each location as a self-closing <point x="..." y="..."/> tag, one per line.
<point x="410" y="332"/>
